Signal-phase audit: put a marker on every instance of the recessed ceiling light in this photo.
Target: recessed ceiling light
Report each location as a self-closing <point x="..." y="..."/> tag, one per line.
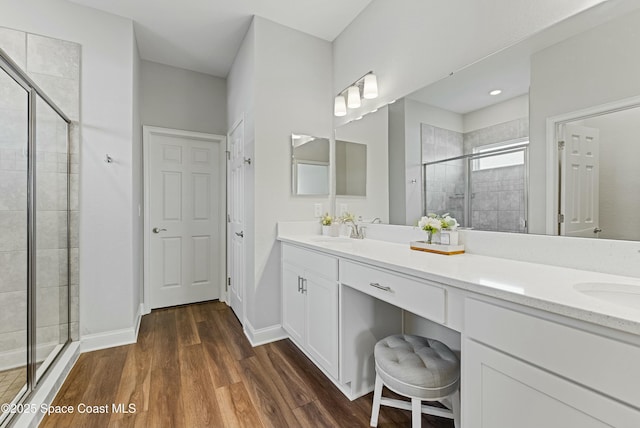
<point x="495" y="92"/>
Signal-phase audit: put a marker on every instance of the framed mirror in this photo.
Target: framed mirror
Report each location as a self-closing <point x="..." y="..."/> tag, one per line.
<point x="310" y="165"/>
<point x="493" y="142"/>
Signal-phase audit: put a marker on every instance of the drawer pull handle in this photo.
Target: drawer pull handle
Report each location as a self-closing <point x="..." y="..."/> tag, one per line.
<point x="381" y="287"/>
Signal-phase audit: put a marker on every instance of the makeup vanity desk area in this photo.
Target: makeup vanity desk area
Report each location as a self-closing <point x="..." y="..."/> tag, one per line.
<point x="535" y="350"/>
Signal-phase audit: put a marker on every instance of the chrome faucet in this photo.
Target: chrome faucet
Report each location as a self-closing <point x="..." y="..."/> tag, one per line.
<point x="357" y="232"/>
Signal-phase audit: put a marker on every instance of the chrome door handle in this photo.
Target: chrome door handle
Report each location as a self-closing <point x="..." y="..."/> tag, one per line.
<point x="597" y="230"/>
<point x="299" y="283"/>
<point x="158" y="230"/>
<point x="240" y="234"/>
<point x="381" y="287"/>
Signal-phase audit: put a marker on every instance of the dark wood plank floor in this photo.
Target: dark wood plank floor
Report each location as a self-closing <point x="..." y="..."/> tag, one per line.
<point x="193" y="367"/>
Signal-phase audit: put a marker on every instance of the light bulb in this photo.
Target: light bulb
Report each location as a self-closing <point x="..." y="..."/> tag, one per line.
<point x="370" y="90"/>
<point x="339" y="106"/>
<point x="353" y="97"/>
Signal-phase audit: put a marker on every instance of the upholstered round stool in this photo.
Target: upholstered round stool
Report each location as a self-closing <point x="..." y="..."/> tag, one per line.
<point x="421" y="369"/>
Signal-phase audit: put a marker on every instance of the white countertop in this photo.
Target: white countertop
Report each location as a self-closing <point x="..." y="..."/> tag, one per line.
<point x="549" y="288"/>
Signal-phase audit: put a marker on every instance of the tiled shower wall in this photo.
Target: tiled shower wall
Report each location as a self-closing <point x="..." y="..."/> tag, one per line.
<point x="55" y="66"/>
<point x="497" y="195"/>
<point x="445" y="181"/>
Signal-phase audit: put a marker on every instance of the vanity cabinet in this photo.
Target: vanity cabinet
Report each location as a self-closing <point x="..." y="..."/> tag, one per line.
<point x="310" y="304"/>
<point x="522" y="370"/>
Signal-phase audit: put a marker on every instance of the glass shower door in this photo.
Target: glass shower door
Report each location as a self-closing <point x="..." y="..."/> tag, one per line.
<point x="52" y="225"/>
<point x="14" y="125"/>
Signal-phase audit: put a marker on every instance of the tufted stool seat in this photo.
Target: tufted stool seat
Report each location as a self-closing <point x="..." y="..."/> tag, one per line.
<point x="419" y="368"/>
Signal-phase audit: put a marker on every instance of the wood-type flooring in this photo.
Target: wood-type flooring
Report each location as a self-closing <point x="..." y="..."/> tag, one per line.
<point x="193" y="367"/>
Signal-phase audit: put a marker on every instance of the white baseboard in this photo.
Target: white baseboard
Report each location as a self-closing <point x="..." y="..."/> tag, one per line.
<point x="141" y="312"/>
<point x="261" y="336"/>
<point x="109" y="339"/>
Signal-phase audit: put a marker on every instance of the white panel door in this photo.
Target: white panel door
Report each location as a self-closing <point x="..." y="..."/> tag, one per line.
<point x="580" y="182"/>
<point x="235" y="219"/>
<point x="183" y="219"/>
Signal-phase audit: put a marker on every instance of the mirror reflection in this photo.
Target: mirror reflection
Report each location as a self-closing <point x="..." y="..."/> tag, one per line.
<point x="310" y="166"/>
<point x="496" y="144"/>
<point x="351" y="169"/>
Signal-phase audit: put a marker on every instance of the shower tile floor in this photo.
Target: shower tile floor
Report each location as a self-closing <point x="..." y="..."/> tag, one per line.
<point x="11" y="381"/>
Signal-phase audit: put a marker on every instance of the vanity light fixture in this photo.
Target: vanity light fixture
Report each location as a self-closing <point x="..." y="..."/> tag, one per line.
<point x="340" y="106"/>
<point x="350" y="96"/>
<point x="353" y="97"/>
<point x="370" y="87"/>
<point x="495" y="92"/>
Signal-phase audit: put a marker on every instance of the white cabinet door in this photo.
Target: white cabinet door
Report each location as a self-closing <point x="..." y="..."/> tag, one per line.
<point x="500" y="391"/>
<point x="293" y="300"/>
<point x="322" y="321"/>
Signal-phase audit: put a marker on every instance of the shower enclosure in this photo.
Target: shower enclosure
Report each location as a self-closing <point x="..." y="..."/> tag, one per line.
<point x="34" y="233"/>
<point x="484" y="190"/>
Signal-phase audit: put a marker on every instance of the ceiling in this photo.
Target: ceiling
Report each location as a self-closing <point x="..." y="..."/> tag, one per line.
<point x="205" y="35"/>
<point x="467" y="90"/>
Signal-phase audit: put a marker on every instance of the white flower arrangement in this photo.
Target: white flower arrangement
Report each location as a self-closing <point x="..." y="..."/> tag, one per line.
<point x="448" y="222"/>
<point x="430" y="224"/>
<point x="433" y="223"/>
<point x="348" y="217"/>
<point x="326" y="220"/>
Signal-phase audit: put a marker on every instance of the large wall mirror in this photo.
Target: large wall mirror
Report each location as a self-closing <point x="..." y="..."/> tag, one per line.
<point x="537" y="138"/>
<point x="362" y="162"/>
<point x="310" y="165"/>
<point x="351" y="168"/>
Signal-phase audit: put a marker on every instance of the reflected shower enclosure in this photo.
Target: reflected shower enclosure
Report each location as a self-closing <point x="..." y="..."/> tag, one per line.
<point x="483" y="190"/>
<point x="34" y="233"/>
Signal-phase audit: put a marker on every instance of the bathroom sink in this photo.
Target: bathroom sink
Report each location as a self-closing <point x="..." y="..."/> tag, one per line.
<point x="620" y="294"/>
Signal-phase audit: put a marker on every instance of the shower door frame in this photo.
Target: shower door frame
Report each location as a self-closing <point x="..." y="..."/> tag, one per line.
<point x="14" y="71"/>
<point x="470" y="157"/>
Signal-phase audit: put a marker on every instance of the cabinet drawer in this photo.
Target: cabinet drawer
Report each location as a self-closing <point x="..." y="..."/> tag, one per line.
<point x="321" y="264"/>
<point x="413" y="295"/>
<point x="601" y="363"/>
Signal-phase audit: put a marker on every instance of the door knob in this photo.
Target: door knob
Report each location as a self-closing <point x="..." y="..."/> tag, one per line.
<point x="597" y="230"/>
<point x="158" y="230"/>
<point x="240" y="234"/>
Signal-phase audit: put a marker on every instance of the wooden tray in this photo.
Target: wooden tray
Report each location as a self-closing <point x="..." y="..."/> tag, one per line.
<point x="447" y="250"/>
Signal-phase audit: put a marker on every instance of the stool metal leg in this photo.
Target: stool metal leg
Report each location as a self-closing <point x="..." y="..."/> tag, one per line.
<point x="377" y="397"/>
<point x="416" y="413"/>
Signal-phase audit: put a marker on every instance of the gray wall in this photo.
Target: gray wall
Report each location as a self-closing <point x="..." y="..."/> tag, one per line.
<point x="619" y="173"/>
<point x="175" y="98"/>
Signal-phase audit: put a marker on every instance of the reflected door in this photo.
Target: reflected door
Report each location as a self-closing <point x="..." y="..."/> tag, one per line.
<point x="235" y="226"/>
<point x="184" y="220"/>
<point x="580" y="188"/>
